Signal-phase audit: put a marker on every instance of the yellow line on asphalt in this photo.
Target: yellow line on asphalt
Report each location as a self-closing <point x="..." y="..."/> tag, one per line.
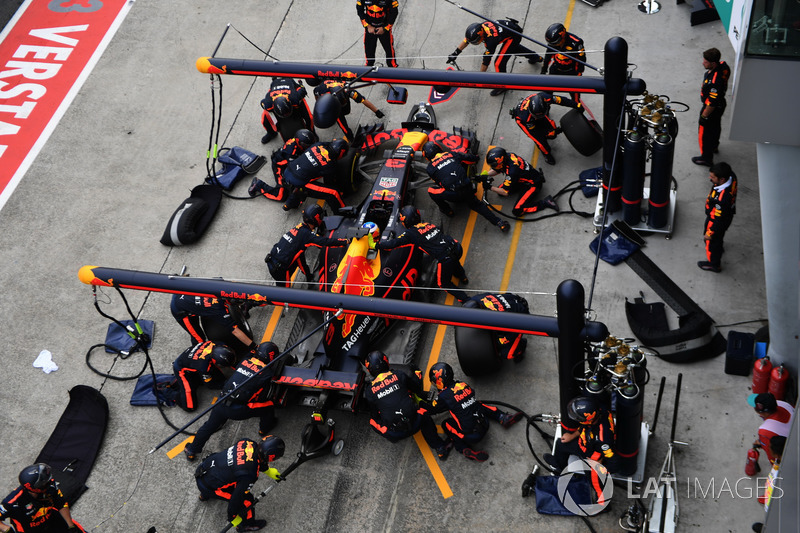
<point x="568" y="18"/>
<point x="433" y="465"/>
<point x="438" y="339"/>
<point x="512" y="253"/>
<point x="430" y="460"/>
<point x="275" y="317"/>
<point x="272" y="324"/>
<point x="179" y="448"/>
<point x="174" y="452"/>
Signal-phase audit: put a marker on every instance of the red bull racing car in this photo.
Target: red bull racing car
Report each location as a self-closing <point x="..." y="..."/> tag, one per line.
<point x="326" y="369"/>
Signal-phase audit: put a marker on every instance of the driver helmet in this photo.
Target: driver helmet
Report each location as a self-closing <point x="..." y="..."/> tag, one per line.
<point x="372" y="230"/>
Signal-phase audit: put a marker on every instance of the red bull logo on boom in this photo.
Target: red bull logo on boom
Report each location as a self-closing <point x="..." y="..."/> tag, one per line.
<point x="336" y="74"/>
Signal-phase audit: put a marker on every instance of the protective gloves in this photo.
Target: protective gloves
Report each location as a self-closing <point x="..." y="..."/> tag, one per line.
<point x="452" y="57"/>
<point x="274" y="474"/>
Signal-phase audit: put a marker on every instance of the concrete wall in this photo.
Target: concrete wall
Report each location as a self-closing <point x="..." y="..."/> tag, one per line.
<point x="780" y="226"/>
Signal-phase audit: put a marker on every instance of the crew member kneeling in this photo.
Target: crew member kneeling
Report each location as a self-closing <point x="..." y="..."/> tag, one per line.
<point x="508" y="345"/>
<point x="469" y="418"/>
<point x="37" y="504"/>
<point x="593" y="440"/>
<point x="394" y="412"/>
<point x="230" y="475"/>
<point x="247" y="394"/>
<point x="198" y="365"/>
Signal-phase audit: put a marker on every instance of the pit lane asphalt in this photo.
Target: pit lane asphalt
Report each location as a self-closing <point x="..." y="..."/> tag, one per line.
<point x="132" y="145"/>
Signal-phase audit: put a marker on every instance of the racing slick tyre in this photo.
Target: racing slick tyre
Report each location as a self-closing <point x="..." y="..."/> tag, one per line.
<point x="584" y="135"/>
<point x="347" y="177"/>
<point x="476" y="353"/>
<point x="218" y="333"/>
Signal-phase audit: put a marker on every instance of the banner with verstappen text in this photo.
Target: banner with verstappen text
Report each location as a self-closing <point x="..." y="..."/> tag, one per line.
<point x="47" y="50"/>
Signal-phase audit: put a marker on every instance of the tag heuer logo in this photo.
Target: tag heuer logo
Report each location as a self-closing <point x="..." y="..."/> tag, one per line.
<point x="387" y="183"/>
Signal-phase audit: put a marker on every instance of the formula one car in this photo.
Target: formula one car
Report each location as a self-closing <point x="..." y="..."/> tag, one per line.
<point x="327" y="368"/>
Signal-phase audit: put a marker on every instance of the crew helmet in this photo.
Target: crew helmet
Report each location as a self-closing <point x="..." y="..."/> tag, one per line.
<point x="305" y="138"/>
<point x="377" y="362"/>
<point x="281" y="107"/>
<point x="223" y="355"/>
<point x="313" y="215"/>
<point x="338" y="148"/>
<point x="555" y="33"/>
<point x="583" y="410"/>
<point x="496" y="158"/>
<point x="538" y="106"/>
<point x="430" y="149"/>
<point x="271" y="448"/>
<point x="409" y="216"/>
<point x="326" y="110"/>
<point x="267" y="351"/>
<point x="474" y="33"/>
<point x="36" y="478"/>
<point x="441" y="375"/>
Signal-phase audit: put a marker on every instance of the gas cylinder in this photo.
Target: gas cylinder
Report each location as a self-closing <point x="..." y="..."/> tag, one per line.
<point x="777" y="382"/>
<point x="761" y="370"/>
<point x="663" y="152"/>
<point x="634" y="149"/>
<point x="751" y="467"/>
<point x="629" y="404"/>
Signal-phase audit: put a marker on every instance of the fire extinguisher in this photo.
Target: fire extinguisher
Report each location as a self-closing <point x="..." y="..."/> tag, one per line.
<point x="761" y="370"/>
<point x="751" y="467"/>
<point x="777" y="382"/>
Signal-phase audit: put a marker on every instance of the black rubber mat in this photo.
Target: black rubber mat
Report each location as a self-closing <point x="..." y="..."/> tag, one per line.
<point x="696" y="337"/>
<point x="657" y="280"/>
<point x="75" y="442"/>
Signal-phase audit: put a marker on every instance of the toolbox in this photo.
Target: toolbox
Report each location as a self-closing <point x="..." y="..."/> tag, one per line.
<point x="739" y="356"/>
